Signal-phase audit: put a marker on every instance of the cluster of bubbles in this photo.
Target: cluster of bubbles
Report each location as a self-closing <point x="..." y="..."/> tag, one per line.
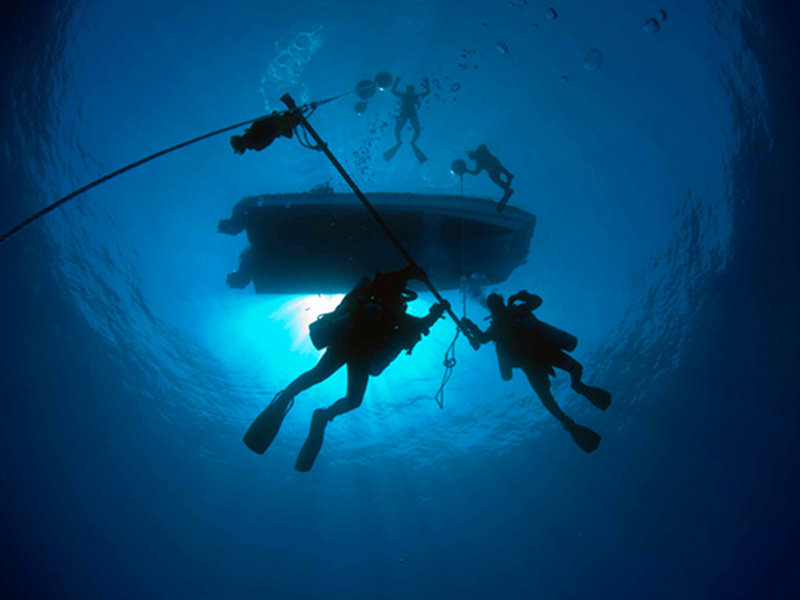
<point x="653" y="24"/>
<point x="290" y="61"/>
<point x="366" y="88"/>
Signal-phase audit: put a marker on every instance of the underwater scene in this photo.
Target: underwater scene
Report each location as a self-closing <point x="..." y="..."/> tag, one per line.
<point x="386" y="300"/>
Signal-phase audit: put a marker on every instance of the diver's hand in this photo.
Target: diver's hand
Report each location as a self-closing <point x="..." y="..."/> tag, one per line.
<point x="437" y="310"/>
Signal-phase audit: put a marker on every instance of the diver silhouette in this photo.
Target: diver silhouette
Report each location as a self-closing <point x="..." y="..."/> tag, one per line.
<point x="485" y="160"/>
<point x="262" y="132"/>
<point x="409" y="103"/>
<point x="366" y="332"/>
<point x="523" y="341"/>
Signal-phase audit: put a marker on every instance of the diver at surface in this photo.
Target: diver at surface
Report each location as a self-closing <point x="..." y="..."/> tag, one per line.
<point x="262" y="132"/>
<point x="366" y="332"/>
<point x="409" y="103"/>
<point x="523" y="341"/>
<point x="485" y="160"/>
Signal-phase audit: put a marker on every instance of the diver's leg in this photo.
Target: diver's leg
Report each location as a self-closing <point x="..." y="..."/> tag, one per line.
<point x="398" y="128"/>
<point x="330" y="362"/>
<point x="541" y="385"/>
<point x="357" y="376"/>
<point x="415" y="126"/>
<point x="587" y="439"/>
<point x="599" y="397"/>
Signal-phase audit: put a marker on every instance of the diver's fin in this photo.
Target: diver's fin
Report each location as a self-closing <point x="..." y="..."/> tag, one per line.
<point x="389" y="154"/>
<point x="308" y="453"/>
<point x="587" y="439"/>
<point x="599" y="397"/>
<point x="266" y="425"/>
<point x="418" y="153"/>
<point x="504" y="200"/>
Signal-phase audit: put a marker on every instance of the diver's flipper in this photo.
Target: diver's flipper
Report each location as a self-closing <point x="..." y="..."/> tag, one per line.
<point x="389" y="154"/>
<point x="266" y="425"/>
<point x="587" y="439"/>
<point x="418" y="153"/>
<point x="504" y="200"/>
<point x="599" y="397"/>
<point x="308" y="453"/>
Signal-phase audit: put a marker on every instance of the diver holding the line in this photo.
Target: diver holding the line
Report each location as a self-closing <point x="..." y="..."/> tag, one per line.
<point x="366" y="332"/>
<point x="523" y="341"/>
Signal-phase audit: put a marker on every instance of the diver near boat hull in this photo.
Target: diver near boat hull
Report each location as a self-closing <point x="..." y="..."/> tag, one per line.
<point x="524" y="342"/>
<point x="485" y="160"/>
<point x="366" y="332"/>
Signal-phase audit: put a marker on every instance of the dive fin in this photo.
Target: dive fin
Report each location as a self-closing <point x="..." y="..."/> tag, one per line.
<point x="587" y="439"/>
<point x="389" y="154"/>
<point x="311" y="447"/>
<point x="504" y="200"/>
<point x="418" y="153"/>
<point x="599" y="397"/>
<point x="266" y="425"/>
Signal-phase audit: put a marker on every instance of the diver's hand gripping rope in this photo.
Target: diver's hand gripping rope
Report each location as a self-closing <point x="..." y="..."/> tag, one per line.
<point x="289" y="102"/>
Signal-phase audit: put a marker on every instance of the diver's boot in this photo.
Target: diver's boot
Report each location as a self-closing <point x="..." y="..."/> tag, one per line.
<point x="266" y="425"/>
<point x="598" y="397"/>
<point x="587" y="439"/>
<point x="308" y="453"/>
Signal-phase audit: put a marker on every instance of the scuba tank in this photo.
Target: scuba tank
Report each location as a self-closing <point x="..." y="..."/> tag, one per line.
<point x="330" y="327"/>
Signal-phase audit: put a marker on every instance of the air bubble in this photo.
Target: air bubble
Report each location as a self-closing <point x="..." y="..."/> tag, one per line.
<point x="593" y="60"/>
<point x="502" y="48"/>
<point x="652" y="26"/>
<point x="551" y="13"/>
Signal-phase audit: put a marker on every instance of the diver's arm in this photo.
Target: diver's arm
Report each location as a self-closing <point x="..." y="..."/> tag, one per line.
<point x="394" y="87"/>
<point x="482" y="337"/>
<point x="474" y="171"/>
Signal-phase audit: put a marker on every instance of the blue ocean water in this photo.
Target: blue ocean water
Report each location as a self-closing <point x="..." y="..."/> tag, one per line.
<point x="663" y="177"/>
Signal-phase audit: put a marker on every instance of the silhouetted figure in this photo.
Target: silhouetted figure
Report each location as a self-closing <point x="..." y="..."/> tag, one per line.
<point x="366" y="332"/>
<point x="485" y="160"/>
<point x="409" y="103"/>
<point x="524" y="342"/>
<point x="262" y="132"/>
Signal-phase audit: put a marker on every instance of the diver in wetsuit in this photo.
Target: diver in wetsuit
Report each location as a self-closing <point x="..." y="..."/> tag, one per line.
<point x="370" y="328"/>
<point x="409" y="103"/>
<point x="262" y="132"/>
<point x="485" y="160"/>
<point x="522" y="341"/>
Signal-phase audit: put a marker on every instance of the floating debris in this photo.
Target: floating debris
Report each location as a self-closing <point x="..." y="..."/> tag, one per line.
<point x="455" y="87"/>
<point x="652" y="26"/>
<point x="551" y="13"/>
<point x="502" y="48"/>
<point x="593" y="60"/>
<point x="564" y="79"/>
<point x="463" y="66"/>
<point x="517" y="3"/>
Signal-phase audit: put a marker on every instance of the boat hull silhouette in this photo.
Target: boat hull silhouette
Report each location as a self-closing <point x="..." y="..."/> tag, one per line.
<point x="325" y="242"/>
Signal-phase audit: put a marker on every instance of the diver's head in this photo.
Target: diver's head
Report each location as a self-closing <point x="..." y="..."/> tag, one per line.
<point x="495" y="303"/>
<point x="410" y="89"/>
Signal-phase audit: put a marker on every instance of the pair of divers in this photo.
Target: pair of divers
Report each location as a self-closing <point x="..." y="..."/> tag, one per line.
<point x="366" y="332"/>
